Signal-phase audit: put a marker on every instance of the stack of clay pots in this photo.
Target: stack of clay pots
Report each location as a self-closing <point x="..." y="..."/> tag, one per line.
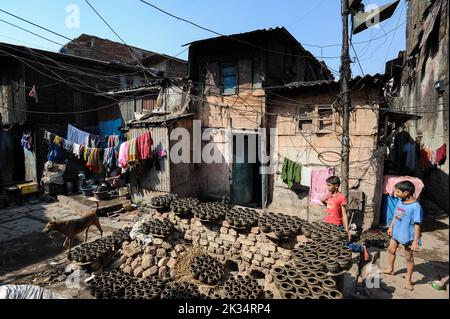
<point x="159" y="228"/>
<point x="241" y="218"/>
<point x="324" y="254"/>
<point x="213" y="212"/>
<point x="302" y="283"/>
<point x="183" y="205"/>
<point x="375" y="239"/>
<point x="242" y="287"/>
<point x="162" y="201"/>
<point x="206" y="269"/>
<point x="321" y="230"/>
<point x="98" y="249"/>
<point x="118" y="285"/>
<point x="181" y="290"/>
<point x="282" y="226"/>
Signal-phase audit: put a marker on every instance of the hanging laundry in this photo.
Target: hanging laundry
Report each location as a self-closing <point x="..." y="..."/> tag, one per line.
<point x="68" y="145"/>
<point x="123" y="155"/>
<point x="144" y="145"/>
<point x="27" y="140"/>
<point x="94" y="162"/>
<point x="109" y="158"/>
<point x="47" y="136"/>
<point x="76" y="150"/>
<point x="77" y="136"/>
<point x="411" y="157"/>
<point x="291" y="172"/>
<point x="58" y="140"/>
<point x="113" y="140"/>
<point x="441" y="154"/>
<point x="33" y="94"/>
<point x="389" y="182"/>
<point x="305" y="179"/>
<point x="318" y="188"/>
<point x="133" y="156"/>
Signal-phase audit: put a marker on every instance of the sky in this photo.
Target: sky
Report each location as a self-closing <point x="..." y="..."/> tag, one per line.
<point x="312" y="22"/>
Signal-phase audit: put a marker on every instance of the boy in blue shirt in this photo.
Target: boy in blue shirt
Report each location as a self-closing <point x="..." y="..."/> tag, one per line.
<point x="405" y="229"/>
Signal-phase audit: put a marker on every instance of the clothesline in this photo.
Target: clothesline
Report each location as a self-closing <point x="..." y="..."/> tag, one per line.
<point x="121" y="154"/>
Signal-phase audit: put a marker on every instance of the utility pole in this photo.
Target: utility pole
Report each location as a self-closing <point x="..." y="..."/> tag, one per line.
<point x="345" y="96"/>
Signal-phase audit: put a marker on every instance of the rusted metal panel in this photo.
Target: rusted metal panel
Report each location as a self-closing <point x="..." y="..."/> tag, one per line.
<point x="156" y="180"/>
<point x="12" y="97"/>
<point x="129" y="107"/>
<point x="149" y="103"/>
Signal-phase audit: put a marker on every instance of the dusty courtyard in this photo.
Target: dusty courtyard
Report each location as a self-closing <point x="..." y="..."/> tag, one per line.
<point x="26" y="251"/>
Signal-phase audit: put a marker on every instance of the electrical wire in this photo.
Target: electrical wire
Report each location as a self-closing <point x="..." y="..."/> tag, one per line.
<point x="31" y="32"/>
<point x="128" y="47"/>
<point x="239" y="40"/>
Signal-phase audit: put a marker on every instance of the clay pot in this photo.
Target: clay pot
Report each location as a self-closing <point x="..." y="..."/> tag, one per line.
<point x="268" y="295"/>
<point x="343" y="262"/>
<point x="292" y="275"/>
<point x="265" y="228"/>
<point x="298" y="282"/>
<point x="306" y="232"/>
<point x="288" y="267"/>
<point x="279" y="278"/>
<point x="317" y="264"/>
<point x="315" y="235"/>
<point x="302" y="292"/>
<point x="312" y="281"/>
<point x="332" y="266"/>
<point x="286" y="287"/>
<point x="321" y="275"/>
<point x="335" y="294"/>
<point x="305" y="274"/>
<point x="288" y="295"/>
<point x="287" y="231"/>
<point x="278" y="232"/>
<point x="316" y="291"/>
<point x="328" y="284"/>
<point x="333" y="254"/>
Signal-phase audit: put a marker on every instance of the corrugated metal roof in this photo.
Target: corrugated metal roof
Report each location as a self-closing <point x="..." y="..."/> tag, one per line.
<point x="374" y="79"/>
<point x="251" y="34"/>
<point x="155" y="119"/>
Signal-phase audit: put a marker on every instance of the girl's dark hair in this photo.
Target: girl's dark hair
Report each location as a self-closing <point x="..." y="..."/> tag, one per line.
<point x="334" y="180"/>
<point x="406" y="186"/>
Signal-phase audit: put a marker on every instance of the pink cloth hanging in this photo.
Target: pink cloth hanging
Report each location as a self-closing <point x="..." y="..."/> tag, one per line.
<point x="318" y="188"/>
<point x="389" y="182"/>
<point x="123" y="155"/>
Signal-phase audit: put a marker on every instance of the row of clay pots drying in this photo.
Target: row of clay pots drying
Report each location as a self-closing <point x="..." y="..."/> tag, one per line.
<point x="98" y="249"/>
<point x="242" y="217"/>
<point x="118" y="285"/>
<point x="281" y="225"/>
<point x="242" y="287"/>
<point x="181" y="290"/>
<point x="375" y="239"/>
<point x="163" y="201"/>
<point x="213" y="212"/>
<point x="207" y="269"/>
<point x="158" y="227"/>
<point x="294" y="283"/>
<point x="183" y="205"/>
<point x="320" y="229"/>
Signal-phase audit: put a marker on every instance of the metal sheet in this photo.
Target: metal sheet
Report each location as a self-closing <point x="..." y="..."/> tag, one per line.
<point x="155" y="180"/>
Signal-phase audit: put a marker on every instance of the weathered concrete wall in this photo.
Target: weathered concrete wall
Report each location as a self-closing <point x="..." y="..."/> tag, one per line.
<point x="366" y="161"/>
<point x="427" y="63"/>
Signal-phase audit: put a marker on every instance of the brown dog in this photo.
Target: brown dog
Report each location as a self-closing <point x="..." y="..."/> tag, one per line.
<point x="73" y="227"/>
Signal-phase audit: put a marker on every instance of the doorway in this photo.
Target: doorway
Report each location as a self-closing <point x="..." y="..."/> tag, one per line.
<point x="246" y="180"/>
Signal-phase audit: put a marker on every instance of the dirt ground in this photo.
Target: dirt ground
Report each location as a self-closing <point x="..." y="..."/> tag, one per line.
<point x="431" y="263"/>
<point x="26" y="251"/>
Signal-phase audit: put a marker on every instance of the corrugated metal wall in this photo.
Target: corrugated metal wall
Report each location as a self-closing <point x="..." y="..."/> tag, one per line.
<point x="128" y="107"/>
<point x="156" y="180"/>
